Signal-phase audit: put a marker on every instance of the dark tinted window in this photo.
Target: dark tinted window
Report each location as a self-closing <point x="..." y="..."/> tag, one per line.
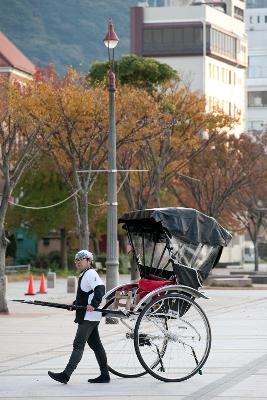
<point x="257" y="99"/>
<point x="173" y="40"/>
<point x="256" y="3"/>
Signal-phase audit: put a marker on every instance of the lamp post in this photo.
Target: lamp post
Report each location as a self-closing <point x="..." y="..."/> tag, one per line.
<point x="112" y="263"/>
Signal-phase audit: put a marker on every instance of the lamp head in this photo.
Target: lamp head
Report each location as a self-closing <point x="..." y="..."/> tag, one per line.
<point x="111" y="39"/>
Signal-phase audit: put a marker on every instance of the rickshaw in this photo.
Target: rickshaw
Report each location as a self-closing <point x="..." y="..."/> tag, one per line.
<point x="164" y="332"/>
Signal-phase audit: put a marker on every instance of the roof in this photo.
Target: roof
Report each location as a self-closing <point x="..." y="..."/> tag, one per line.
<point x="14" y="56"/>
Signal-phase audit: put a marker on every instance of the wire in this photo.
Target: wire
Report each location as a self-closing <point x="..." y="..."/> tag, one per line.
<point x="105" y="202"/>
<point x="63" y="201"/>
<point x="41" y="208"/>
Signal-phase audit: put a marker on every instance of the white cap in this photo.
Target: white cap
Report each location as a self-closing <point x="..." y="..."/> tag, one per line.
<point x="85" y="254"/>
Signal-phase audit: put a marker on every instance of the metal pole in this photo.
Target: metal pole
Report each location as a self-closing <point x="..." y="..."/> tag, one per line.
<point x="112" y="262"/>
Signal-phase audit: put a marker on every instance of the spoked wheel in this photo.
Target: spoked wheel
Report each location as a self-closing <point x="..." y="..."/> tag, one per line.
<point x="174" y="329"/>
<point x="119" y="346"/>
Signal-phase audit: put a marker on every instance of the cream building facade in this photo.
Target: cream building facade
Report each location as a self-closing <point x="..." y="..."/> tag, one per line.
<point x="205" y="42"/>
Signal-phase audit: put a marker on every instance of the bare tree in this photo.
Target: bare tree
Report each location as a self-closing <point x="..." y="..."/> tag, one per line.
<point x="253" y="219"/>
<point x="251" y="203"/>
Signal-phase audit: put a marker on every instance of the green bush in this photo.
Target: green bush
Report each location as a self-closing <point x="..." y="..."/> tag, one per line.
<point x="54" y="259"/>
<point x="40" y="262"/>
<point x="51" y="260"/>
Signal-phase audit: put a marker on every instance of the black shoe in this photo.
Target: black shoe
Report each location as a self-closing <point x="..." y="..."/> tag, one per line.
<point x="59" y="377"/>
<point x="100" y="379"/>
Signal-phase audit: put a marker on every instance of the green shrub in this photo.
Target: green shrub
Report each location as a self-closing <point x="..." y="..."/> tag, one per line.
<point x="54" y="259"/>
<point x="51" y="260"/>
<point x="40" y="261"/>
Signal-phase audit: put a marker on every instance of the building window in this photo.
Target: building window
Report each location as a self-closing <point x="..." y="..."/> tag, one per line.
<point x="265" y="19"/>
<point x="256" y="3"/>
<point x="217" y="72"/>
<point x="238" y="13"/>
<point x="257" y="99"/>
<point x="255" y="125"/>
<point x="210" y="70"/>
<point x="223" y="78"/>
<point x="46" y="241"/>
<point x="257" y="66"/>
<point x="250" y="19"/>
<point x="258" y="19"/>
<point x="223" y="44"/>
<point x="173" y="40"/>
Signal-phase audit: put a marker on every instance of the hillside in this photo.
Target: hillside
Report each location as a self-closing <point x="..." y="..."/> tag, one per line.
<point x="65" y="32"/>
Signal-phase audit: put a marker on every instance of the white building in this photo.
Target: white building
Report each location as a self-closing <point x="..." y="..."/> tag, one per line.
<point x="256" y="27"/>
<point x="205" y="43"/>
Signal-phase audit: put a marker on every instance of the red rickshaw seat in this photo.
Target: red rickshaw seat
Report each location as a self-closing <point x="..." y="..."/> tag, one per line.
<point x="146" y="285"/>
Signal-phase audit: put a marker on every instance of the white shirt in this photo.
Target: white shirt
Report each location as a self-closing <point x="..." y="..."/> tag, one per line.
<point x="89" y="281"/>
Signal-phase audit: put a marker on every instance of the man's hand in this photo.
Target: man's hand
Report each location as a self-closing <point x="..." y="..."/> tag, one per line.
<point x="90" y="308"/>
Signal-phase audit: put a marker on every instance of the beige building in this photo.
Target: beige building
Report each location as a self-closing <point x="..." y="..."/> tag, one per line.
<point x="205" y="42"/>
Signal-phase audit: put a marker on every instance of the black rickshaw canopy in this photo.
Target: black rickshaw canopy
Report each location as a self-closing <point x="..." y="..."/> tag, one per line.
<point x="180" y="240"/>
<point x="185" y="223"/>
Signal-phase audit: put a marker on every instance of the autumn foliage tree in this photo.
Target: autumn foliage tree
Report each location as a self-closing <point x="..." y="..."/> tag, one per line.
<point x="218" y="174"/>
<point x="20" y="141"/>
<point x="38" y="190"/>
<point x="80" y="143"/>
<point x="175" y="140"/>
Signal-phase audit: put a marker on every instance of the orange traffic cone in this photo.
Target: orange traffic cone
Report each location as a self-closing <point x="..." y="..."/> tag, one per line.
<point x="42" y="285"/>
<point x="31" y="286"/>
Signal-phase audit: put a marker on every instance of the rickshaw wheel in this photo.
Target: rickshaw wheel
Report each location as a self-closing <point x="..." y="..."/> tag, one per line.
<point x="176" y="322"/>
<point x="119" y="347"/>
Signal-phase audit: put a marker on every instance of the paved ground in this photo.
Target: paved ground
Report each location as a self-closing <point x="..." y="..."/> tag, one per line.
<point x="35" y="339"/>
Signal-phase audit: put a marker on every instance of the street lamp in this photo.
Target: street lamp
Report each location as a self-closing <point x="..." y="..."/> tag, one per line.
<point x="112" y="263"/>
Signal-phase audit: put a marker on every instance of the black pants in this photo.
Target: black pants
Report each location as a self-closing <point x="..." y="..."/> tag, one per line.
<point x="87" y="332"/>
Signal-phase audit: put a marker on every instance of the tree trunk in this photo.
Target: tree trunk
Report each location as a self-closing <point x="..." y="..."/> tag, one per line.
<point x="63" y="249"/>
<point x="256" y="256"/>
<point x="157" y="188"/>
<point x="84" y="222"/>
<point x="3" y="302"/>
<point x="96" y="245"/>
